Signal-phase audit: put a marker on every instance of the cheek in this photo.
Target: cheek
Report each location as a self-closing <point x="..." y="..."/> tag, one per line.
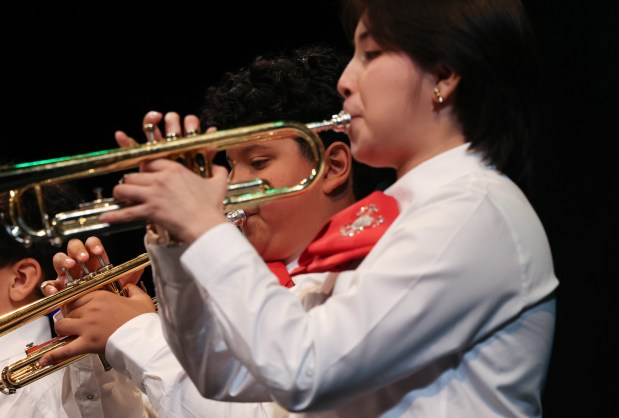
<point x="384" y="100"/>
<point x="271" y="231"/>
<point x="257" y="232"/>
<point x="272" y="217"/>
<point x="390" y="85"/>
<point x="289" y="175"/>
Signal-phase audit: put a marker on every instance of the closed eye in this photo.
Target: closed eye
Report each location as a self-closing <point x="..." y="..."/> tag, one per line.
<point x="370" y="55"/>
<point x="259" y="163"/>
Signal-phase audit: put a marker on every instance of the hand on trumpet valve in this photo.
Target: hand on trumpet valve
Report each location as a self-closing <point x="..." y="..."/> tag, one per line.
<point x="172" y="126"/>
<point x="168" y="194"/>
<point x="82" y="260"/>
<point x="94" y="315"/>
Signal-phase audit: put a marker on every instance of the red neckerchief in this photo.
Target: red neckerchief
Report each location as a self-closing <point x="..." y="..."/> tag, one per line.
<point x="279" y="269"/>
<point x="349" y="235"/>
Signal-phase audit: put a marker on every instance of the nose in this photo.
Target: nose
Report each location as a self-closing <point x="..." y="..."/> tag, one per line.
<point x="233" y="175"/>
<point x="238" y="174"/>
<point x="232" y="171"/>
<point x="345" y="83"/>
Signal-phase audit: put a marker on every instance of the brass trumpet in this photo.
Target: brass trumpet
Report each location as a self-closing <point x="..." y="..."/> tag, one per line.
<point x="27" y="370"/>
<point x="16" y="179"/>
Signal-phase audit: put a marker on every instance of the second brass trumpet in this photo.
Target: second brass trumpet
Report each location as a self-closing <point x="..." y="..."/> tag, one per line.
<point x="28" y="370"/>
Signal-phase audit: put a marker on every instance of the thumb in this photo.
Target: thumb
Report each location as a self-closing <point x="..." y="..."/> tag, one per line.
<point x="123" y="140"/>
<point x="49" y="288"/>
<point x="137" y="294"/>
<point x="131" y="278"/>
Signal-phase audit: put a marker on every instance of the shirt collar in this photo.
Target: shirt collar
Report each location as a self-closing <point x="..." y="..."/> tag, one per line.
<point x="434" y="173"/>
<point x="15" y="342"/>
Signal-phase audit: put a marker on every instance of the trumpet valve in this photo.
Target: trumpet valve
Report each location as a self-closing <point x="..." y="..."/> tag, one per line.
<point x="237" y="217"/>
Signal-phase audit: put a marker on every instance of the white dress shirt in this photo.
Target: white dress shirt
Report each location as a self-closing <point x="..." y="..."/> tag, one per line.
<point x="139" y="350"/>
<point x="82" y="389"/>
<point x="451" y="314"/>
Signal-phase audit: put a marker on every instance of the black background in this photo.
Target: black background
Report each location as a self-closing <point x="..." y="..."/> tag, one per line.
<point x="72" y="75"/>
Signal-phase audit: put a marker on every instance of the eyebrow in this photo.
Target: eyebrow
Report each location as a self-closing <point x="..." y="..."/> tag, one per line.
<point x="364" y="36"/>
<point x="248" y="149"/>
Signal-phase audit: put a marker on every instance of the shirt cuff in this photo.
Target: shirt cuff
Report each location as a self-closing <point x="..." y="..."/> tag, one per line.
<point x="206" y="256"/>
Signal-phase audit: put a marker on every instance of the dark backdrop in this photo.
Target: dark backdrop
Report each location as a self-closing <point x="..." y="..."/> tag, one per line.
<point x="72" y="76"/>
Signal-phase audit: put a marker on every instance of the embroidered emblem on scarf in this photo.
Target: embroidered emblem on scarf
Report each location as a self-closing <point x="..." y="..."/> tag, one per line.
<point x="365" y="219"/>
<point x="349" y="235"/>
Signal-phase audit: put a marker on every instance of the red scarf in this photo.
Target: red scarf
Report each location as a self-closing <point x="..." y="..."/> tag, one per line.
<point x="279" y="269"/>
<point x="346" y="239"/>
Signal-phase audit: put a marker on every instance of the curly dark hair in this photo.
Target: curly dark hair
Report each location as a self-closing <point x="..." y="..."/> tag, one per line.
<point x="298" y="85"/>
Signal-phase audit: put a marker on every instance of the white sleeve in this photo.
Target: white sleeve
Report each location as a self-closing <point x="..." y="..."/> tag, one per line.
<point x="188" y="326"/>
<point x="429" y="275"/>
<point x="139" y="350"/>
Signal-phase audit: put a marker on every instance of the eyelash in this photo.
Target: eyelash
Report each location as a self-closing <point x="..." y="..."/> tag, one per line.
<point x="370" y="55"/>
<point x="258" y="164"/>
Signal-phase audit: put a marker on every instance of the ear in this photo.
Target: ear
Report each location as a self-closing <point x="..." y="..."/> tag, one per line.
<point x="338" y="167"/>
<point x="26" y="276"/>
<point x="446" y="84"/>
